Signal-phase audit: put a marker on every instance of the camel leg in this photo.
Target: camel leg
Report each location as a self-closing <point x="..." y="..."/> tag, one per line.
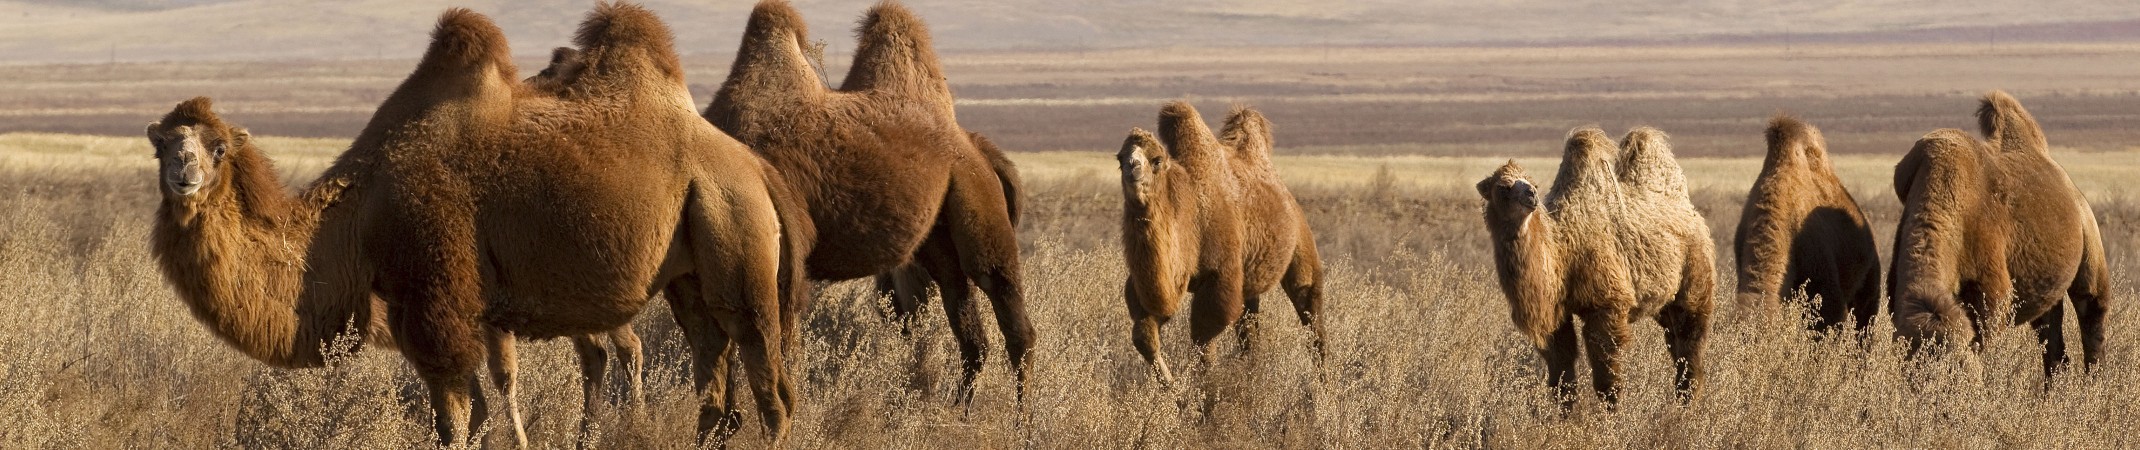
<point x="633" y="361"/>
<point x="960" y="310"/>
<point x="710" y="348"/>
<point x="1303" y="283"/>
<point x="1144" y="333"/>
<point x="987" y="244"/>
<point x="1603" y="334"/>
<point x="1217" y="304"/>
<point x="758" y="340"/>
<point x="1685" y="327"/>
<point x="1560" y="352"/>
<point x="594" y="363"/>
<point x="2091" y="302"/>
<point x="503" y="367"/>
<point x="906" y="286"/>
<point x="1250" y="305"/>
<point x="2051" y="331"/>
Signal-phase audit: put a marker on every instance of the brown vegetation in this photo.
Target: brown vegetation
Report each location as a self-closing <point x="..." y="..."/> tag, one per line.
<point x="439" y="209"/>
<point x="1994" y="232"/>
<point x="1616" y="240"/>
<point x="884" y="167"/>
<point x="1801" y="235"/>
<point x="1206" y="215"/>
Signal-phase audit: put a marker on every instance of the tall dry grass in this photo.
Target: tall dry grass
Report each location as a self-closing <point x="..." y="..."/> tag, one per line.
<point x="96" y="352"/>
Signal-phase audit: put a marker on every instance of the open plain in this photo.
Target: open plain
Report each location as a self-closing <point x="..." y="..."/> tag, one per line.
<point x="1380" y="144"/>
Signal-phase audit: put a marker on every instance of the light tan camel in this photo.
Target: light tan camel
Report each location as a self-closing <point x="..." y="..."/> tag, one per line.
<point x="1207" y="215"/>
<point x="884" y="167"/>
<point x="1802" y="233"/>
<point x="1608" y="245"/>
<point x="1993" y="231"/>
<point x="480" y="210"/>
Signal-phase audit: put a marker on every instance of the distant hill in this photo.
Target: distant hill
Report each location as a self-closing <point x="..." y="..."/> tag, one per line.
<point x="39" y="31"/>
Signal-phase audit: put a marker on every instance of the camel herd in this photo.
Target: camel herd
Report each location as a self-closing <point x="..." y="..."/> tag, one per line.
<point x="477" y="208"/>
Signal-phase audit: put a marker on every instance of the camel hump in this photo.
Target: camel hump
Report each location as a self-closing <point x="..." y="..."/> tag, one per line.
<point x="1941" y="154"/>
<point x="1646" y="163"/>
<point x="1586" y="166"/>
<point x="1249" y="133"/>
<point x="623" y="42"/>
<point x="1791" y="140"/>
<point x="465" y="47"/>
<point x="1183" y="130"/>
<point x="895" y="55"/>
<point x="2005" y="123"/>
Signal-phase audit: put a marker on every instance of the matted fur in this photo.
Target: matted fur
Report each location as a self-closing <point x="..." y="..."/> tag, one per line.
<point x="1614" y="241"/>
<point x="1207" y="215"/>
<point x="882" y="163"/>
<point x="1801" y="233"/>
<point x="1992" y="232"/>
<point x="479" y="209"/>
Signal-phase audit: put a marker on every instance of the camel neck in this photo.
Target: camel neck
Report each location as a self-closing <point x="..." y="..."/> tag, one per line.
<point x="247" y="261"/>
<point x="1530" y="265"/>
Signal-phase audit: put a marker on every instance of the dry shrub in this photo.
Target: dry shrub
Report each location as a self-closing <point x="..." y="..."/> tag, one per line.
<point x="98" y="354"/>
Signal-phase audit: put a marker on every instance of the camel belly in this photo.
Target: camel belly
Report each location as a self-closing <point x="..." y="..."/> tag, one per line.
<point x="871" y="224"/>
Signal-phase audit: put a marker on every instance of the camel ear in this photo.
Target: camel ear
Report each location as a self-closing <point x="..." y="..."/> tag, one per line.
<point x="1486" y="187"/>
<point x="155" y="141"/>
<point x="240" y="136"/>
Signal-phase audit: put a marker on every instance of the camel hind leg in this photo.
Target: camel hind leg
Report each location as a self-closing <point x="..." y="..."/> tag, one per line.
<point x="1303" y="284"/>
<point x="906" y="286"/>
<point x="941" y="259"/>
<point x="737" y="258"/>
<point x="504" y="371"/>
<point x="2051" y="332"/>
<point x="978" y="223"/>
<point x="632" y="360"/>
<point x="2091" y="304"/>
<point x="718" y="417"/>
<point x="1686" y="325"/>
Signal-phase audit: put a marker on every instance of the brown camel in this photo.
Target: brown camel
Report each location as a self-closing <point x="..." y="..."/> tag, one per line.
<point x="1207" y="215"/>
<point x="1992" y="230"/>
<point x="479" y="210"/>
<point x="1802" y="233"/>
<point x="884" y="168"/>
<point x="1609" y="246"/>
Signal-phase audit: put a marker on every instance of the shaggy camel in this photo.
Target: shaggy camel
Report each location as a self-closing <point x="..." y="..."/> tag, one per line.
<point x="1992" y="231"/>
<point x="479" y="210"/>
<point x="884" y="168"/>
<point x="1609" y="246"/>
<point x="1207" y="215"/>
<point x="1802" y="233"/>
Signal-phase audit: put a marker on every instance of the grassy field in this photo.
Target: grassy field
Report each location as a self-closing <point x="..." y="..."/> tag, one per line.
<point x="100" y="354"/>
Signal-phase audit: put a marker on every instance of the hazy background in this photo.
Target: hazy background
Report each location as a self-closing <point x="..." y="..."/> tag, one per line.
<point x="152" y="30"/>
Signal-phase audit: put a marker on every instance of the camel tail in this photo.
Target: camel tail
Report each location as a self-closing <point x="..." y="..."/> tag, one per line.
<point x="895" y="55"/>
<point x="798" y="235"/>
<point x="621" y="39"/>
<point x="1182" y="130"/>
<point x="1006" y="173"/>
<point x="2005" y="123"/>
<point x="1646" y="163"/>
<point x="1249" y="133"/>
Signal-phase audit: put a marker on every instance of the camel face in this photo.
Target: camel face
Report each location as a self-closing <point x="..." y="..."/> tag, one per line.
<point x="1141" y="157"/>
<point x="188" y="158"/>
<point x="1510" y="197"/>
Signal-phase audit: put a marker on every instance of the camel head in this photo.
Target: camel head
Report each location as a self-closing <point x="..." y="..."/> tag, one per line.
<point x="1510" y="196"/>
<point x="1145" y="163"/>
<point x="565" y="64"/>
<point x="191" y="144"/>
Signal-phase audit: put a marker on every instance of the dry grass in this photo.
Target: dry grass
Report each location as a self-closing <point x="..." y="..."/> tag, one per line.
<point x="100" y="354"/>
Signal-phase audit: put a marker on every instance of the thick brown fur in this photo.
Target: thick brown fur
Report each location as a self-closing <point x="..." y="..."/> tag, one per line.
<point x="884" y="166"/>
<point x="908" y="285"/>
<point x="480" y="209"/>
<point x="1993" y="232"/>
<point x="1206" y="215"/>
<point x="1616" y="240"/>
<point x="1802" y="234"/>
